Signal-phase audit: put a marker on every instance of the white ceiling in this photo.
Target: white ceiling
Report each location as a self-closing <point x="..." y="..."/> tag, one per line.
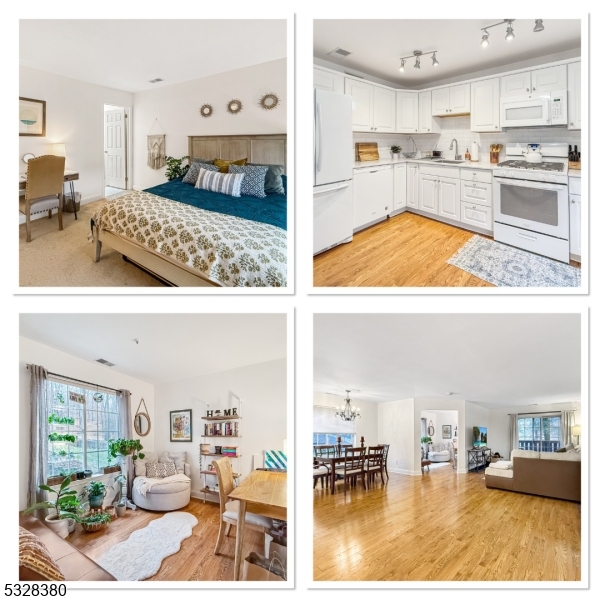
<point x="493" y="360"/>
<point x="377" y="45"/>
<point x="127" y="54"/>
<point x="171" y="346"/>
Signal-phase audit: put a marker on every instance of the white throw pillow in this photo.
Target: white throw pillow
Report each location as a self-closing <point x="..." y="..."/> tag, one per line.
<point x="178" y="458"/>
<point x="140" y="463"/>
<point x="501" y="464"/>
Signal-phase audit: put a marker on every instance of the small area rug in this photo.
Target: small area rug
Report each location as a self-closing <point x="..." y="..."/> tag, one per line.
<point x="437" y="465"/>
<point x="141" y="555"/>
<point x="506" y="266"/>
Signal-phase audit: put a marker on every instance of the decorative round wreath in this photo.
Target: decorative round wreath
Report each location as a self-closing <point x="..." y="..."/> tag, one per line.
<point x="206" y="110"/>
<point x="234" y="107"/>
<point x="269" y="101"/>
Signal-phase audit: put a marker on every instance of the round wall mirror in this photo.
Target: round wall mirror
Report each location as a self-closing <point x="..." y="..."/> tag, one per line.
<point x="234" y="107"/>
<point x="206" y="110"/>
<point x="269" y="101"/>
<point x="430" y="429"/>
<point x="141" y="423"/>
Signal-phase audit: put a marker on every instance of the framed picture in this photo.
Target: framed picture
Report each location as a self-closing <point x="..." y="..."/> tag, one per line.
<point x="181" y="425"/>
<point x="32" y="117"/>
<point x="446" y="432"/>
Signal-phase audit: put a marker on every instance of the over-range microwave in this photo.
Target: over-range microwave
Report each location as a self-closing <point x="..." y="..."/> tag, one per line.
<point x="540" y="109"/>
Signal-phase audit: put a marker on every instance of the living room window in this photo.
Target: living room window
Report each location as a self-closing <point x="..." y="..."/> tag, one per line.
<point x="541" y="433"/>
<point x="327" y="428"/>
<point x="79" y="427"/>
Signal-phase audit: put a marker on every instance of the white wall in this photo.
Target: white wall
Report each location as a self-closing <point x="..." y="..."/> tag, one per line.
<point x="439" y="418"/>
<point x="74" y="117"/>
<point x="366" y="425"/>
<point x="395" y="425"/>
<point x="177" y="108"/>
<point x="498" y="428"/>
<point x="66" y="364"/>
<point x="262" y="388"/>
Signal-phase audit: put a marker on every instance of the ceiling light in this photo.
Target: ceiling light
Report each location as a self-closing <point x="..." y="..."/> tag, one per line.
<point x="538" y="26"/>
<point x="347" y="412"/>
<point x="484" y="39"/>
<point x="418" y="63"/>
<point x="435" y="62"/>
<point x="401" y="68"/>
<point x="510" y="34"/>
<point x="417" y="54"/>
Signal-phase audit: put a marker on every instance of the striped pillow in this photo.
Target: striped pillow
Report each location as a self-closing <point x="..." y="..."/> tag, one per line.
<point x="224" y="183"/>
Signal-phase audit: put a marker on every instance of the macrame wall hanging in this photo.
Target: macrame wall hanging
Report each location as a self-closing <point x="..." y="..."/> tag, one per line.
<point x="156" y="147"/>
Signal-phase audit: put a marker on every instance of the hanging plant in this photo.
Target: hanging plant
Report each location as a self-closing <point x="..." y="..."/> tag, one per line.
<point x="124" y="448"/>
<point x="62" y="437"/>
<point x="61" y="420"/>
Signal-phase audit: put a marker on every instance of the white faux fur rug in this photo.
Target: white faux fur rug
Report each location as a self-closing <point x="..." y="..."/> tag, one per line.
<point x="141" y="555"/>
<point x="437" y="465"/>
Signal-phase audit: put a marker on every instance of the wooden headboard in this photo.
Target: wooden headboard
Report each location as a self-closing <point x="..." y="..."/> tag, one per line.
<point x="262" y="149"/>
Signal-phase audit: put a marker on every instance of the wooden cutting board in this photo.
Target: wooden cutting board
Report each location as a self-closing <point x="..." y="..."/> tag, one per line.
<point x="367" y="151"/>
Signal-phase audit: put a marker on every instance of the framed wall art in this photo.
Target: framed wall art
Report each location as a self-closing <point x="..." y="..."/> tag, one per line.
<point x="446" y="432"/>
<point x="181" y="425"/>
<point x="32" y="117"/>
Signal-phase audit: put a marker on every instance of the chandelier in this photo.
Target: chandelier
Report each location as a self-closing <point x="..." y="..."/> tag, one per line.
<point x="347" y="412"/>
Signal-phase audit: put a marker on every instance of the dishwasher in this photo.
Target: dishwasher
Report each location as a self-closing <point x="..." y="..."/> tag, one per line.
<point x="373" y="194"/>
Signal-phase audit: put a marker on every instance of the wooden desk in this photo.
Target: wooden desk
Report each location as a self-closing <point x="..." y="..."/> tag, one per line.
<point x="70" y="177"/>
<point x="261" y="493"/>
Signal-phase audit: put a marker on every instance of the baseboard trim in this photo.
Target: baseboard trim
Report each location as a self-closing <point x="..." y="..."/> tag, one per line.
<point x="404" y="472"/>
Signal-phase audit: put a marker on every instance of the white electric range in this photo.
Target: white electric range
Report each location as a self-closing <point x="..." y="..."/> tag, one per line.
<point x="531" y="199"/>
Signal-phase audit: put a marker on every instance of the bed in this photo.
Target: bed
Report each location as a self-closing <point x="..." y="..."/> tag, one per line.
<point x="192" y="237"/>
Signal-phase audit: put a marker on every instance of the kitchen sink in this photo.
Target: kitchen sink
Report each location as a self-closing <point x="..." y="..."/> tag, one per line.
<point x="448" y="161"/>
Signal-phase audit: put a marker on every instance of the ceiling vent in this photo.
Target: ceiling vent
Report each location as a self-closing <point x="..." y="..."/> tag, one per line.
<point x="105" y="362"/>
<point x="339" y="52"/>
<point x="156" y="80"/>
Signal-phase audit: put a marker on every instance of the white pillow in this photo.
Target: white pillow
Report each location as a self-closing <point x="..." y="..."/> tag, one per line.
<point x="177" y="457"/>
<point x="140" y="463"/>
<point x="223" y="183"/>
<point x="501" y="464"/>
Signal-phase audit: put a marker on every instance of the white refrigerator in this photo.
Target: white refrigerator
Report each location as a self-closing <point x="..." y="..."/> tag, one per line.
<point x="333" y="164"/>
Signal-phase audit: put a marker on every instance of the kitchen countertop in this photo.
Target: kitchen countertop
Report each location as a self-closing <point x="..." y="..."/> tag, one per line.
<point x="482" y="164"/>
<point x="574" y="172"/>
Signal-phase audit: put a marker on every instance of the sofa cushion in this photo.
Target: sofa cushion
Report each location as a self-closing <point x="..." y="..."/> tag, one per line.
<point x="562" y="456"/>
<point x="170" y="487"/>
<point x="178" y="458"/>
<point x="35" y="558"/>
<point x="160" y="470"/>
<point x="502" y="464"/>
<point x="507" y="473"/>
<point x="140" y="463"/>
<point x="231" y="512"/>
<point x="524" y="454"/>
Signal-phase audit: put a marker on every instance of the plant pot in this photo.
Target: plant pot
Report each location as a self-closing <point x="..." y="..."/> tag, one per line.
<point x="121" y="509"/>
<point x="71" y="523"/>
<point x="59" y="526"/>
<point x="96" y="501"/>
<point x="204" y="448"/>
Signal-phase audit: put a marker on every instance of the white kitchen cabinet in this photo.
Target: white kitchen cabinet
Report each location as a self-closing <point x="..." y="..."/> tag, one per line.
<point x="324" y="80"/>
<point x="454" y="100"/>
<point x="518" y="84"/>
<point x="428" y="193"/>
<point x="373" y="194"/>
<point x="399" y="186"/>
<point x="485" y="105"/>
<point x="427" y="124"/>
<point x="407" y="112"/>
<point x="412" y="185"/>
<point x="574" y="96"/>
<point x="575" y="226"/>
<point x="549" y="79"/>
<point x="362" y="104"/>
<point x="449" y="198"/>
<point x="384" y="110"/>
<point x="476" y="192"/>
<point x="476" y="215"/>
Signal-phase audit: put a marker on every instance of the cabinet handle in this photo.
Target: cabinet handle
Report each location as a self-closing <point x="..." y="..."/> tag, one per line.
<point x="572" y="201"/>
<point x="571" y="123"/>
<point x="496" y="126"/>
<point x="527" y="90"/>
<point x="533" y="89"/>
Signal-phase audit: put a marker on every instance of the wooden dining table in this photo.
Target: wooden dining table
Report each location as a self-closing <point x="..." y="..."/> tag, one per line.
<point x="332" y="460"/>
<point x="262" y="493"/>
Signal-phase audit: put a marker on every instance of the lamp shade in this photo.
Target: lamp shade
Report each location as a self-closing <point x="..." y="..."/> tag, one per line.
<point x="576" y="430"/>
<point x="58" y="150"/>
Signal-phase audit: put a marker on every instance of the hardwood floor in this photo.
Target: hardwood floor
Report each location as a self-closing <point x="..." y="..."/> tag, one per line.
<point x="407" y="250"/>
<point x="195" y="560"/>
<point x="444" y="527"/>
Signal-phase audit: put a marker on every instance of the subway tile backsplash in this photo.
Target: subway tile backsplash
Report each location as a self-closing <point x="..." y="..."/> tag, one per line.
<point x="458" y="127"/>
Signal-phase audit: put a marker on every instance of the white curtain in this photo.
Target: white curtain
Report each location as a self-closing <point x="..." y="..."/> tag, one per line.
<point x="38" y="434"/>
<point x="125" y="432"/>
<point x="325" y="421"/>
<point x="513" y="431"/>
<point x="567" y="420"/>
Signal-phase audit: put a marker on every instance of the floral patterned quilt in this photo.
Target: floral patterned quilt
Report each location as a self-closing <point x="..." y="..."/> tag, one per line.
<point x="225" y="249"/>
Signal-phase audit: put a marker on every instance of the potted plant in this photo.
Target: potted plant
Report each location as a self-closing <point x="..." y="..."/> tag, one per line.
<point x="61" y="506"/>
<point x="425" y="441"/>
<point x="93" y="521"/>
<point x="175" y="168"/>
<point x="124" y="448"/>
<point x="96" y="490"/>
<point x="120" y="504"/>
<point x="395" y="150"/>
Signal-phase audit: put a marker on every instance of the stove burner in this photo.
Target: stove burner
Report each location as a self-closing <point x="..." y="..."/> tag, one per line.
<point x="523" y="164"/>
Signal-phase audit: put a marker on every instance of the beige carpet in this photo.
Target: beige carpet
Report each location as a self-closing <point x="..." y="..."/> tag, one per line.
<point x="56" y="258"/>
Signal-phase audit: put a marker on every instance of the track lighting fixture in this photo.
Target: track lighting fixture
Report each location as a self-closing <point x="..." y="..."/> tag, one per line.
<point x="484" y="39"/>
<point x="417" y="55"/>
<point x="435" y="62"/>
<point x="510" y="34"/>
<point x="401" y="67"/>
<point x="538" y="26"/>
<point x="418" y="63"/>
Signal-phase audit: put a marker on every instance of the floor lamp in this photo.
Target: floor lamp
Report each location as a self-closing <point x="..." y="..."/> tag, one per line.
<point x="576" y="430"/>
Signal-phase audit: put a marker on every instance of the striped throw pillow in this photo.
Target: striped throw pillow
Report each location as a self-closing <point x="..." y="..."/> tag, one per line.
<point x="224" y="183"/>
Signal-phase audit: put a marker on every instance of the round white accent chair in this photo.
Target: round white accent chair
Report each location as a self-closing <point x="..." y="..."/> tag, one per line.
<point x="438" y="453"/>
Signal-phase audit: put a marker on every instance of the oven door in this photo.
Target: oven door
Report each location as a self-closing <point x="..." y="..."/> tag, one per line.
<point x="539" y="207"/>
<point x="530" y="112"/>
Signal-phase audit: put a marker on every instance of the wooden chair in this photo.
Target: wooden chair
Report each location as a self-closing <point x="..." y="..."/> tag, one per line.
<point x="324" y="451"/>
<point x="44" y="189"/>
<point x="230" y="509"/>
<point x="374" y="463"/>
<point x="322" y="472"/>
<point x="386" y="448"/>
<point x="354" y="466"/>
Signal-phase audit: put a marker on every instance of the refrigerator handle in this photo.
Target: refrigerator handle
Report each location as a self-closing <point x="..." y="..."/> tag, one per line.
<point x="335" y="189"/>
<point x="318" y="135"/>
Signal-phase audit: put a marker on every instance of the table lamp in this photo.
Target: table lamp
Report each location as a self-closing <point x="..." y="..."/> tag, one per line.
<point x="576" y="430"/>
<point x="58" y="150"/>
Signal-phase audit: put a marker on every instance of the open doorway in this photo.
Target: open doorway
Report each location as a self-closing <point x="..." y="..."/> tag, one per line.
<point x="116" y="164"/>
<point x="439" y="438"/>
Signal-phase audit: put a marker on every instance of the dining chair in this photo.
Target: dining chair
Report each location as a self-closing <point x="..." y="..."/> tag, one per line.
<point x="322" y="472"/>
<point x="229" y="509"/>
<point x="386" y="448"/>
<point x="354" y="466"/>
<point x="324" y="451"/>
<point x="43" y="190"/>
<point x="374" y="463"/>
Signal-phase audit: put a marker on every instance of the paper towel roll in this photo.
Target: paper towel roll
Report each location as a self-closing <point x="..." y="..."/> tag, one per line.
<point x="475" y="152"/>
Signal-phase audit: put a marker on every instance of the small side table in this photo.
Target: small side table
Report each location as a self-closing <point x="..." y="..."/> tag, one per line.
<point x="477" y="457"/>
<point x="70" y="178"/>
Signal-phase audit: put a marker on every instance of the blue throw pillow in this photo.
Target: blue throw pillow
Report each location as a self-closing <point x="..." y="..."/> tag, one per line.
<point x="253" y="183"/>
<point x="192" y="173"/>
<point x="273" y="180"/>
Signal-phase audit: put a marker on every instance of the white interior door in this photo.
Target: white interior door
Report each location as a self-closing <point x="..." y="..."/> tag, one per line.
<point x="114" y="147"/>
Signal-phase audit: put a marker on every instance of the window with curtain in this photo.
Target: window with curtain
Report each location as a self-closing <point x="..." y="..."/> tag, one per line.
<point x="539" y="432"/>
<point x="327" y="427"/>
<point x="79" y="428"/>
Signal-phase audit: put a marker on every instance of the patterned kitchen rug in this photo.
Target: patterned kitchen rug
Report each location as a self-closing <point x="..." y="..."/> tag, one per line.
<point x="505" y="266"/>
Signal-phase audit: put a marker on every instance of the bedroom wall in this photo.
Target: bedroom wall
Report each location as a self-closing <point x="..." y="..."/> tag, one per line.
<point x="177" y="108"/>
<point x="262" y="388"/>
<point x="365" y="426"/>
<point x="74" y="116"/>
<point x="66" y="364"/>
<point x="439" y="418"/>
<point x="396" y="429"/>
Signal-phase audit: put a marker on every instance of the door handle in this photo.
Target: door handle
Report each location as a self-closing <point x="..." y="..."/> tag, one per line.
<point x="318" y="130"/>
<point x="527" y="237"/>
<point x="335" y="189"/>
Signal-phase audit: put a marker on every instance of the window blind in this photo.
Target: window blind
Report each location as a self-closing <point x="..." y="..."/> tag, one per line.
<point x="325" y="421"/>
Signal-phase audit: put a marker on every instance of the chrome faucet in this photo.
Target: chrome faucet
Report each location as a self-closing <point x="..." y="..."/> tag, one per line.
<point x="455" y="143"/>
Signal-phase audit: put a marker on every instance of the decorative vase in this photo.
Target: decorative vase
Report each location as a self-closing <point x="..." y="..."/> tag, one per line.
<point x="96" y="501"/>
<point x="204" y="448"/>
<point x="59" y="526"/>
<point x="121" y="509"/>
<point x="71" y="523"/>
